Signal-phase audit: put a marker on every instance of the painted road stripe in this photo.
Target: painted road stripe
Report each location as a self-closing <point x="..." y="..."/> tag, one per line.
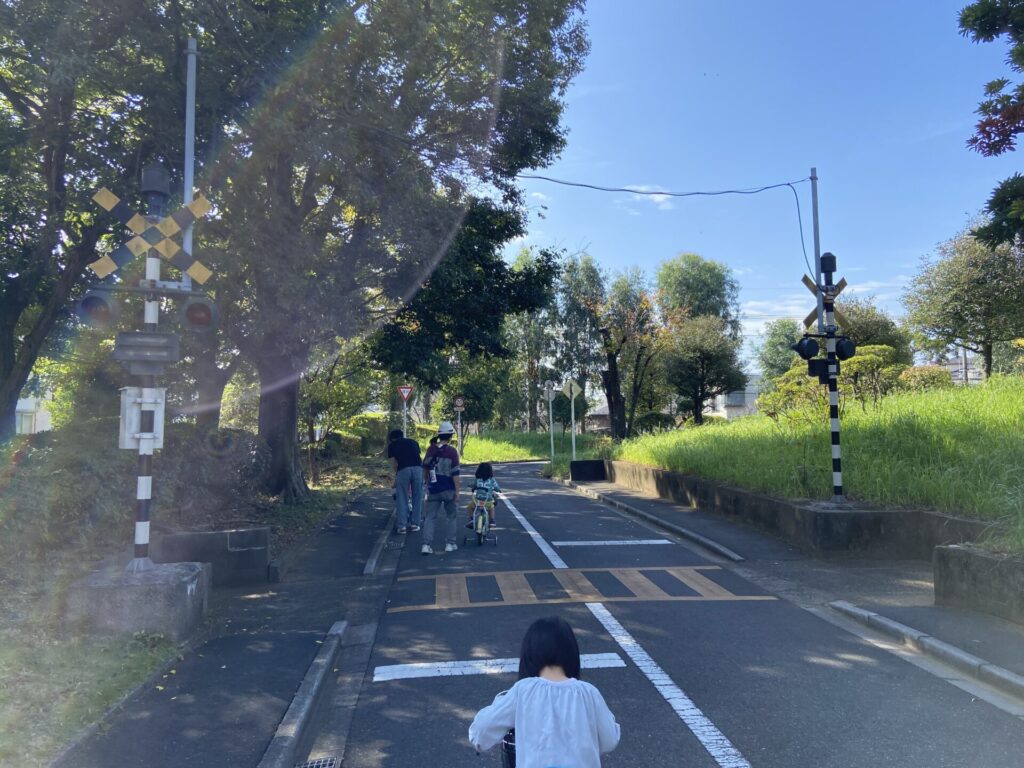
<point x="625" y="543"/>
<point x="480" y="667"/>
<point x="539" y="540"/>
<point x="713" y="740"/>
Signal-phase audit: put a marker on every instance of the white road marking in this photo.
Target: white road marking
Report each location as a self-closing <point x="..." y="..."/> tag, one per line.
<point x="713" y="740"/>
<point x="480" y="667"/>
<point x="539" y="540"/>
<point x="624" y="543"/>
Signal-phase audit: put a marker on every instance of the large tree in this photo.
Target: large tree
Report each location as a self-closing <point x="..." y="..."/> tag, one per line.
<point x="580" y="297"/>
<point x="1001" y="113"/>
<point x="630" y="336"/>
<point x="703" y="362"/>
<point x="867" y="324"/>
<point x="969" y="297"/>
<point x="345" y="181"/>
<point x="692" y="286"/>
<point x="87" y="96"/>
<point x="774" y="355"/>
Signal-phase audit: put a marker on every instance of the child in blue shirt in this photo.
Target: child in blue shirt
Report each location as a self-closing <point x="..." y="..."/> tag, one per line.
<point x="484" y="488"/>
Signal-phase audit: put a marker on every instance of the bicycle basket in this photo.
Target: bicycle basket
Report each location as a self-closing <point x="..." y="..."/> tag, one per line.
<point x="508" y="749"/>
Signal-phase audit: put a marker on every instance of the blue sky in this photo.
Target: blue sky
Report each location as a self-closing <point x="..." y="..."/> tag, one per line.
<point x="690" y="95"/>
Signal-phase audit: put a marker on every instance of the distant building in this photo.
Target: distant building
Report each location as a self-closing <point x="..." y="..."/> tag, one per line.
<point x="742" y="402"/>
<point x="955" y="366"/>
<point x="32" y="416"/>
<point x="598" y="419"/>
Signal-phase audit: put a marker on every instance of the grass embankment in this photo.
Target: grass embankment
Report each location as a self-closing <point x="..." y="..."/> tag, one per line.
<point x="958" y="450"/>
<point x="527" y="446"/>
<point x="54" y="681"/>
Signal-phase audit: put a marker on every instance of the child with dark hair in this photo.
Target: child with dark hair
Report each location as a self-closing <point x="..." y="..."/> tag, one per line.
<point x="484" y="488"/>
<point x="558" y="719"/>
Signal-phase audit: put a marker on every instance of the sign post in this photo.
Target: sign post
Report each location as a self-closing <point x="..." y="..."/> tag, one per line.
<point x="460" y="406"/>
<point x="549" y="390"/>
<point x="405" y="390"/>
<point x="571" y="390"/>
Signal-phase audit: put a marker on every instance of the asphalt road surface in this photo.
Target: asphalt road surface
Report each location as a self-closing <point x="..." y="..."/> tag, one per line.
<point x="701" y="667"/>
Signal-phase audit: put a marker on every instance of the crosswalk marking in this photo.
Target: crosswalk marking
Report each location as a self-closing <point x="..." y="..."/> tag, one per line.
<point x="451" y="590"/>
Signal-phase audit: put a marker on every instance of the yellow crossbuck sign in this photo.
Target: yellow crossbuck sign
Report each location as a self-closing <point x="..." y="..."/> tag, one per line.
<point x="156" y="236"/>
<point x="588" y="585"/>
<point x="812" y="318"/>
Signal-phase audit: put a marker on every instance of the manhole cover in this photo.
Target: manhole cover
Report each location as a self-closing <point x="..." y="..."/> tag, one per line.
<point x="320" y="762"/>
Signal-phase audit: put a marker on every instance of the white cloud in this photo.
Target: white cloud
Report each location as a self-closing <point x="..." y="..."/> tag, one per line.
<point x="661" y="202"/>
<point x="539" y="196"/>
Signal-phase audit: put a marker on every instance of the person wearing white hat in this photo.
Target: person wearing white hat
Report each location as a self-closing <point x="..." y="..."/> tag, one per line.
<point x="441" y="474"/>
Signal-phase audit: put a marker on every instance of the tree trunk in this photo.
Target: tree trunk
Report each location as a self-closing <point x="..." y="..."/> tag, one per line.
<point x="613" y="393"/>
<point x="583" y="377"/>
<point x="210" y="383"/>
<point x="986" y="353"/>
<point x="279" y="425"/>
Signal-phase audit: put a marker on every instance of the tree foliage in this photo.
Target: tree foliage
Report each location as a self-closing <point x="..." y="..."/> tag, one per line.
<point x="867" y="324"/>
<point x="969" y="297"/>
<point x="1001" y="113"/>
<point x="774" y="355"/>
<point x="703" y="362"/>
<point x="691" y="286"/>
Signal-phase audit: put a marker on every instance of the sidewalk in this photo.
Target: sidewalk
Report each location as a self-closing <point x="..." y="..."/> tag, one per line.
<point x="898" y="590"/>
<point x="220" y="704"/>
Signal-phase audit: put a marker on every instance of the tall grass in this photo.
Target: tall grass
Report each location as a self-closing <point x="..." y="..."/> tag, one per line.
<point x="526" y="446"/>
<point x="959" y="450"/>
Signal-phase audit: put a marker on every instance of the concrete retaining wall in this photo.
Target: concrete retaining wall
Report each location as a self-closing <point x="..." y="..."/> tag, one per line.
<point x="238" y="556"/>
<point x="816" y="527"/>
<point x="980" y="581"/>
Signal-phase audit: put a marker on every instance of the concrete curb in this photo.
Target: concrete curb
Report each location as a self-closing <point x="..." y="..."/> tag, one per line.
<point x="378" y="549"/>
<point x="284" y="749"/>
<point x="968" y="663"/>
<point x="686" y="533"/>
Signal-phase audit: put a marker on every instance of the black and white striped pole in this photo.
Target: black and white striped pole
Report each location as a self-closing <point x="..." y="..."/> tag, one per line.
<point x="828" y="268"/>
<point x="156" y="188"/>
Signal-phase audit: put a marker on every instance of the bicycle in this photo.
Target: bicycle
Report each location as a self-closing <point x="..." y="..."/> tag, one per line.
<point x="481" y="524"/>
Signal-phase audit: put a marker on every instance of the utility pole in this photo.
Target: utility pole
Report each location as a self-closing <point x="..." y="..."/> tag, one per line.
<point x="190" y="147"/>
<point x="817" y="248"/>
<point x="549" y="390"/>
<point x="826" y="297"/>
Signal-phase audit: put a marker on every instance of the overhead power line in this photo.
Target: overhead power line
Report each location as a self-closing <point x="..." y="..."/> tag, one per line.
<point x="715" y="193"/>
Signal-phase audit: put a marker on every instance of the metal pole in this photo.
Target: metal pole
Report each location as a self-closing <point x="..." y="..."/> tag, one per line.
<point x="833" y="377"/>
<point x="190" y="147"/>
<point x="458" y="419"/>
<point x="963" y="365"/>
<point x="817" y="249"/>
<point x="572" y="412"/>
<point x="156" y="188"/>
<point x="405" y="417"/>
<point x="550" y="390"/>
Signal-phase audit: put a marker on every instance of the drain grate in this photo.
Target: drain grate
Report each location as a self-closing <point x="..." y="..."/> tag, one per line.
<point x="389" y="547"/>
<point x="320" y="762"/>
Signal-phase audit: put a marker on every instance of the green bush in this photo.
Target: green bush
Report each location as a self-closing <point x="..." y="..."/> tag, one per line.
<point x="653" y="422"/>
<point x="74" y="487"/>
<point x="921" y="378"/>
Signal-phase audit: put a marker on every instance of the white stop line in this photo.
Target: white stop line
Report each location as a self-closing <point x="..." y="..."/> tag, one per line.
<point x="713" y="740"/>
<point x="480" y="667"/>
<point x="621" y="543"/>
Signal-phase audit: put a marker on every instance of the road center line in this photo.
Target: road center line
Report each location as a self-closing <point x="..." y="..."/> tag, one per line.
<point x="480" y="667"/>
<point x="622" y="543"/>
<point x="712" y="739"/>
<point x="539" y="540"/>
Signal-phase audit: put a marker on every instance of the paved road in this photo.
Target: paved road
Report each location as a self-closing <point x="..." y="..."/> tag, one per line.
<point x="700" y="666"/>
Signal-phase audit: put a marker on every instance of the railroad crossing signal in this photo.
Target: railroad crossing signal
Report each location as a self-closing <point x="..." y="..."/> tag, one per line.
<point x="460" y="404"/>
<point x="157" y="237"/>
<point x="405" y="390"/>
<point x="812" y="318"/>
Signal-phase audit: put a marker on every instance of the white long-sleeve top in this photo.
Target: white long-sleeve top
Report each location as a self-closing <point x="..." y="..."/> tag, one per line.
<point x="558" y="725"/>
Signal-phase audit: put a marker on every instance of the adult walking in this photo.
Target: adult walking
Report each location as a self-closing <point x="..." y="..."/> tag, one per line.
<point x="441" y="472"/>
<point x="405" y="458"/>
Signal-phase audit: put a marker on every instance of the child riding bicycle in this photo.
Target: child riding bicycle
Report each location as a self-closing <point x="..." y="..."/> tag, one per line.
<point x="484" y="488"/>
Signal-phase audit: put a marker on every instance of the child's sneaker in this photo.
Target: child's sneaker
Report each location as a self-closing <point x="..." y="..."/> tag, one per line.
<point x="450" y="547"/>
<point x="426" y="549"/>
